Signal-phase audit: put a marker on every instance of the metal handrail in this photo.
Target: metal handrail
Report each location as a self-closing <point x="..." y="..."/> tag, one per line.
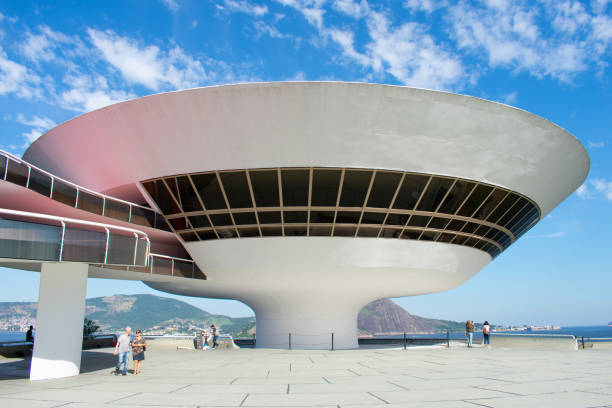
<point x="63" y="221"/>
<point x="75" y="186"/>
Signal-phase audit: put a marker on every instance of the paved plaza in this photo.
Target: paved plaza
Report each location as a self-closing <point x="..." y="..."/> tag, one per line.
<point x="418" y="377"/>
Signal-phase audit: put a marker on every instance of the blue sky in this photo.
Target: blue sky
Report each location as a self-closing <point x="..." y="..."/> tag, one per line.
<point x="550" y="57"/>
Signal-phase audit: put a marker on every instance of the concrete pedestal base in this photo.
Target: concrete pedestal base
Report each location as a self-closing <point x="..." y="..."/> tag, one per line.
<point x="59" y="321"/>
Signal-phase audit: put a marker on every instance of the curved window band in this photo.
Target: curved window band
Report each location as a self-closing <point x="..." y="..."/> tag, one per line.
<point x="343" y="202"/>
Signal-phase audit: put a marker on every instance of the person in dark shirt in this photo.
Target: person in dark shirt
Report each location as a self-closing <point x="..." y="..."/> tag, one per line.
<point x="214" y="335"/>
<point x="30" y="335"/>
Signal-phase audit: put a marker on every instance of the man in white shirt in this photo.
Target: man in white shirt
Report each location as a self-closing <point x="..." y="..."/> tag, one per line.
<point x="122" y="349"/>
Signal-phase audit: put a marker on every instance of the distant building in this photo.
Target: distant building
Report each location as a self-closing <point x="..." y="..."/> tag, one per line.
<point x="304" y="200"/>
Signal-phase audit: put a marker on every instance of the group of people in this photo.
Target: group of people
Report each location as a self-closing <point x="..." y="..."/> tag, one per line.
<point x="209" y="338"/>
<point x="469" y="332"/>
<point x="128" y="342"/>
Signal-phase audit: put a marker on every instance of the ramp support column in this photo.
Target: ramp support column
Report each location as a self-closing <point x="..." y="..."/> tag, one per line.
<point x="58" y="337"/>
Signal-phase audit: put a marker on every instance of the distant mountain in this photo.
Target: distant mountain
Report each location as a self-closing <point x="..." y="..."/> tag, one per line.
<point x="149" y="312"/>
<point x="386" y="316"/>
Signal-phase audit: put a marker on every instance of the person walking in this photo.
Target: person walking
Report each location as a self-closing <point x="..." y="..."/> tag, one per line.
<point x="469" y="332"/>
<point x="486" y="330"/>
<point x="139" y="345"/>
<point x="213" y="329"/>
<point x="122" y="350"/>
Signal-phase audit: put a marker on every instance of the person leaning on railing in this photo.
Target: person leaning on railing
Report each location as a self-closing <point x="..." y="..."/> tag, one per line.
<point x="469" y="332"/>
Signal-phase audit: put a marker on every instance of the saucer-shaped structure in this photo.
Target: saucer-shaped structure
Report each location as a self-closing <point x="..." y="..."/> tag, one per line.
<point x="307" y="200"/>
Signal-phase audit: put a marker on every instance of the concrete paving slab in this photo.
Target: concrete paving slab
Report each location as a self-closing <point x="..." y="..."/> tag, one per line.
<point x="308" y="400"/>
<point x="557" y="400"/>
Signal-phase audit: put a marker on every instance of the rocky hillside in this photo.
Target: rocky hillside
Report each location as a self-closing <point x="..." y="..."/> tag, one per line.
<point x="386" y="316"/>
<point x="149" y="312"/>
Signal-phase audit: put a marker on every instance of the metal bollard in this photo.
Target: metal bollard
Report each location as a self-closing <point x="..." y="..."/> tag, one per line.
<point x="404" y="340"/>
<point x="447" y="339"/>
<point x="332" y="341"/>
<point x="254" y="340"/>
<point x="583" y="342"/>
<point x="289" y="341"/>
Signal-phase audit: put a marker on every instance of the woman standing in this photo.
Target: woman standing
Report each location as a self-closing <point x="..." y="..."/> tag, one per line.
<point x="486" y="329"/>
<point x="139" y="345"/>
<point x="469" y="332"/>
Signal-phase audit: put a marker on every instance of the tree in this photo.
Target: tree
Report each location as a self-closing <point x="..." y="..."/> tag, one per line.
<point x="89" y="327"/>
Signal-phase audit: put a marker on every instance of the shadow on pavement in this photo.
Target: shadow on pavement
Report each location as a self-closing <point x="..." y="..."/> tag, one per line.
<point x="19" y="368"/>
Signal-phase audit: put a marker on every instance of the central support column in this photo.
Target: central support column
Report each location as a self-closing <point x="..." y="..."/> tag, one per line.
<point x="59" y="321"/>
<point x="310" y="320"/>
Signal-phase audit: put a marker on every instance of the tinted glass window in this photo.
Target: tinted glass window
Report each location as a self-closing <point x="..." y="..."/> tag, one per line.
<point x="348" y="217"/>
<point x="354" y="188"/>
<point x="477" y="197"/>
<point x="435" y="193"/>
<point x="325" y="185"/>
<point x="518" y="217"/>
<point x="179" y="223"/>
<point x="206" y="235"/>
<point x="411" y="234"/>
<point x="248" y="232"/>
<point x="91" y="203"/>
<point x="384" y="187"/>
<point x="2" y="165"/>
<point x="295" y="216"/>
<point x="344" y="231"/>
<point x="295" y="231"/>
<point x="418" y="220"/>
<point x="269" y="217"/>
<point x="490" y="204"/>
<point x="295" y="187"/>
<point x="39" y="182"/>
<point x="265" y="188"/>
<point x="247" y="218"/>
<point x="368" y="232"/>
<point x="320" y="231"/>
<point x="445" y="237"/>
<point x="64" y="193"/>
<point x="518" y="206"/>
<point x="410" y="191"/>
<point x="220" y="219"/>
<point x="187" y="196"/>
<point x="160" y="194"/>
<point x="140" y="216"/>
<point x="455" y="225"/>
<point x="502" y="208"/>
<point x="17" y="173"/>
<point x="236" y="189"/>
<point x="117" y="210"/>
<point x="86" y="246"/>
<point x="470" y="227"/>
<point x="210" y="193"/>
<point x="226" y="233"/>
<point x="199" y="221"/>
<point x="397" y="219"/>
<point x="373" y="218"/>
<point x="390" y="233"/>
<point x="323" y="217"/>
<point x="271" y="231"/>
<point x="455" y="198"/>
<point x="438" y="223"/>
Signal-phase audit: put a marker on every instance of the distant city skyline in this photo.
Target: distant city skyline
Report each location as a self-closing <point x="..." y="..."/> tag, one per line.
<point x="549" y="58"/>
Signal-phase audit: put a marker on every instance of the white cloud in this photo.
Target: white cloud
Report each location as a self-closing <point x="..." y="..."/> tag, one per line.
<point x="583" y="191"/>
<point x="17" y="79"/>
<point x="7" y="18"/>
<point x="247" y="7"/>
<point x="39" y="126"/>
<point x="148" y="65"/>
<point x="37" y="48"/>
<point x="596" y="145"/>
<point x="406" y="51"/>
<point x="262" y="28"/>
<point x="509" y="36"/>
<point x="86" y="93"/>
<point x="551" y="235"/>
<point x="604" y="187"/>
<point x="171" y="5"/>
<point x="596" y="188"/>
<point x="427" y="6"/>
<point x="509" y="98"/>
